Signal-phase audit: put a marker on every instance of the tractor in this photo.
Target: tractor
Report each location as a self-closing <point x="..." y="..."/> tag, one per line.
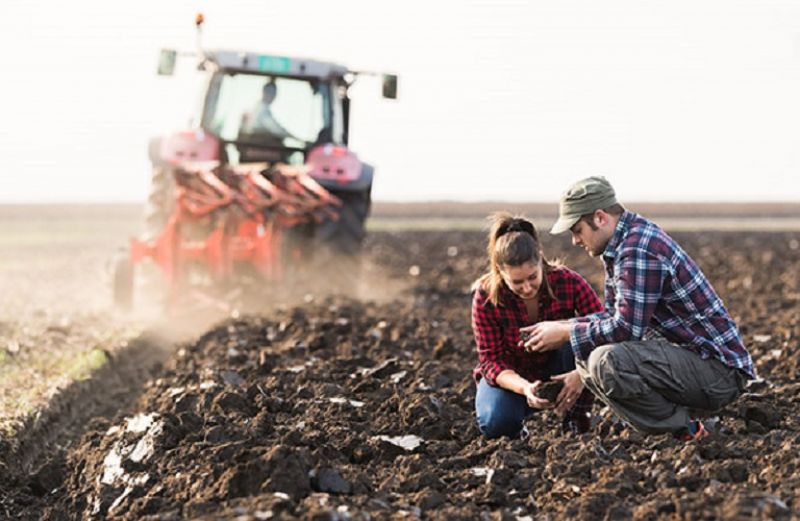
<point x="265" y="183"/>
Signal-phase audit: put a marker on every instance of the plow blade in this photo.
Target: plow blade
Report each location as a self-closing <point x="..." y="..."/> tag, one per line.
<point x="225" y="218"/>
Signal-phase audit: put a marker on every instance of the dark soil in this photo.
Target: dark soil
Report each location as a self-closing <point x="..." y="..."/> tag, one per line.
<point x="549" y="390"/>
<point x="346" y="409"/>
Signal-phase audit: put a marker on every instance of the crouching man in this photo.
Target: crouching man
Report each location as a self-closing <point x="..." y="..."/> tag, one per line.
<point x="665" y="344"/>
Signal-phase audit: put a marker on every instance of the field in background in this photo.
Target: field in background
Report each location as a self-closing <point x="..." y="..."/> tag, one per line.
<point x="54" y="256"/>
<point x="671" y="216"/>
<point x="111" y="224"/>
<point x="462" y="209"/>
<point x="56" y="322"/>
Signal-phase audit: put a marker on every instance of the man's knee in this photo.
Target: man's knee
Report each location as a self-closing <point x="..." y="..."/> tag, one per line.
<point x="494" y="423"/>
<point x="600" y="365"/>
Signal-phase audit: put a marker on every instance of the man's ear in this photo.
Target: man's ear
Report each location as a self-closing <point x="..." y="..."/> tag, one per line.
<point x="601" y="218"/>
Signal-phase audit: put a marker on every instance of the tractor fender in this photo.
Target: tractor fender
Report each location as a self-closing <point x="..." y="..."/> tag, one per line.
<point x="361" y="184"/>
<point x="338" y="169"/>
<point x="188" y="145"/>
<point x="365" y="179"/>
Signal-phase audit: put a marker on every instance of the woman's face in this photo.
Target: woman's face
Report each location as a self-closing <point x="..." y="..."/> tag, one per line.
<point x="524" y="280"/>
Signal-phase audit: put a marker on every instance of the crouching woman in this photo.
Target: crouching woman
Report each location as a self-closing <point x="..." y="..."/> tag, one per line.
<point x="520" y="289"/>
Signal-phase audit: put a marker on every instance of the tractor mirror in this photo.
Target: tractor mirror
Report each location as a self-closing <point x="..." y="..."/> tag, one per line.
<point x="390" y="86"/>
<point x="166" y="62"/>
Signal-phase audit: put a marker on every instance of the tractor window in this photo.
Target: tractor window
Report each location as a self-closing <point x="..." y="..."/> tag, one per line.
<point x="273" y="111"/>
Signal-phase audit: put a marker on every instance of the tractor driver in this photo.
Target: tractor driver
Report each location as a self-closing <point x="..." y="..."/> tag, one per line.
<point x="262" y="121"/>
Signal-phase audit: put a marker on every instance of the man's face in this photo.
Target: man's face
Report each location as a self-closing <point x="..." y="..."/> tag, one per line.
<point x="268" y="93"/>
<point x="593" y="240"/>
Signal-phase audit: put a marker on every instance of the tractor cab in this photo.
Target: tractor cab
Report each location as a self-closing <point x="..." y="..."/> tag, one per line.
<point x="270" y="108"/>
<point x="274" y="109"/>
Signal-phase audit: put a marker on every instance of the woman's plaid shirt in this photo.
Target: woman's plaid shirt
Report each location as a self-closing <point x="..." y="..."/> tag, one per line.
<point x="496" y="328"/>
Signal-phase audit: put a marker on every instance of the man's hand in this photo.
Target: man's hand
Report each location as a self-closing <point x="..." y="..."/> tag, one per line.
<point x="570" y="392"/>
<point x="545" y="336"/>
<point x="533" y="400"/>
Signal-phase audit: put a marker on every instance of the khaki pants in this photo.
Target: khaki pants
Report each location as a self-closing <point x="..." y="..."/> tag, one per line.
<point x="653" y="384"/>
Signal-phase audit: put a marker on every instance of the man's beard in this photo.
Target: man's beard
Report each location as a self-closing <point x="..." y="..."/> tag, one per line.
<point x="597" y="251"/>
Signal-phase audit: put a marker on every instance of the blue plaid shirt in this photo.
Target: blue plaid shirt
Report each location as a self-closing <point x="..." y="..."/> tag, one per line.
<point x="653" y="286"/>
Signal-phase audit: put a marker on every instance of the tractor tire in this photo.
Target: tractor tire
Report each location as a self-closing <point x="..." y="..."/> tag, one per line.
<point x="338" y="244"/>
<point x="123" y="283"/>
<point x="346" y="235"/>
<point x="158" y="209"/>
<point x="160" y="201"/>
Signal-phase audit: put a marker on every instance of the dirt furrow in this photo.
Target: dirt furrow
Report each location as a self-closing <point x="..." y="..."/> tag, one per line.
<point x="351" y="409"/>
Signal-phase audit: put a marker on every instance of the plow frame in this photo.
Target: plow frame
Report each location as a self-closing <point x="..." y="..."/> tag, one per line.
<point x="250" y="207"/>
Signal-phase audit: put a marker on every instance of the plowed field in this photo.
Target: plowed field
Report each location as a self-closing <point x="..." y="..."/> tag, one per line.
<point x="349" y="408"/>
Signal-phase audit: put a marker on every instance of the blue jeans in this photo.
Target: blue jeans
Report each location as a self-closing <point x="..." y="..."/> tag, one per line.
<point x="501" y="412"/>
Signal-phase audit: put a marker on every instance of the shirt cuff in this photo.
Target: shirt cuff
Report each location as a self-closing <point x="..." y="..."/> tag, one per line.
<point x="580" y="341"/>
<point x="491" y="374"/>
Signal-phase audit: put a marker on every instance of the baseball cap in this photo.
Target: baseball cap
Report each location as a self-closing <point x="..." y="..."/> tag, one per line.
<point x="583" y="197"/>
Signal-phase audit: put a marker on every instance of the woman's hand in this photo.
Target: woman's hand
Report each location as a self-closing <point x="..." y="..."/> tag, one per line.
<point x="573" y="387"/>
<point x="533" y="400"/>
<point x="545" y="336"/>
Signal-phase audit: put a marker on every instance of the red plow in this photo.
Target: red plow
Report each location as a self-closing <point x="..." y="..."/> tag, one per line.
<point x="227" y="219"/>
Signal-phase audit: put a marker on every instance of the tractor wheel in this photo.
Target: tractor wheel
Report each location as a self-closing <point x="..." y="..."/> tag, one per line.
<point x="339" y="243"/>
<point x="123" y="283"/>
<point x="346" y="235"/>
<point x="160" y="201"/>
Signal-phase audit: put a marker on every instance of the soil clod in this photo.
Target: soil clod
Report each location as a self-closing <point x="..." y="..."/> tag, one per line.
<point x="549" y="390"/>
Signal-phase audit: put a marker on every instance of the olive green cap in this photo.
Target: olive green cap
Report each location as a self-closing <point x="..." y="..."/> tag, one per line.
<point x="583" y="197"/>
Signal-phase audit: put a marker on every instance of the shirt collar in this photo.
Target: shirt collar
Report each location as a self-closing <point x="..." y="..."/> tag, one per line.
<point x="620" y="232"/>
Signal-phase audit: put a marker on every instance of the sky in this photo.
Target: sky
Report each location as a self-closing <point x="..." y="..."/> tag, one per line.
<point x="498" y="99"/>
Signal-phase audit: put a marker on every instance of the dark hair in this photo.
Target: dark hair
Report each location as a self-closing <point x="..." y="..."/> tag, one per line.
<point x="513" y="241"/>
<point x="614" y="209"/>
<point x="270" y="89"/>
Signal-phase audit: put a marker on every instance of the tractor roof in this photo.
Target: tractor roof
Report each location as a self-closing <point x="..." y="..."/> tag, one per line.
<point x="266" y="63"/>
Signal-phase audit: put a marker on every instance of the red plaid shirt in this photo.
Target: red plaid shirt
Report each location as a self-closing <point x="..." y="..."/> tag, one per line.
<point x="496" y="328"/>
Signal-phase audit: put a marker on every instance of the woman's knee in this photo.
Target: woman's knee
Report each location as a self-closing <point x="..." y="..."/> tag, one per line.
<point x="500" y="412"/>
<point x="496" y="422"/>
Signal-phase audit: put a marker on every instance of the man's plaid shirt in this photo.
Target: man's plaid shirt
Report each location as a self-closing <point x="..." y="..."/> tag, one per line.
<point x="652" y="285"/>
<point x="496" y="328"/>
